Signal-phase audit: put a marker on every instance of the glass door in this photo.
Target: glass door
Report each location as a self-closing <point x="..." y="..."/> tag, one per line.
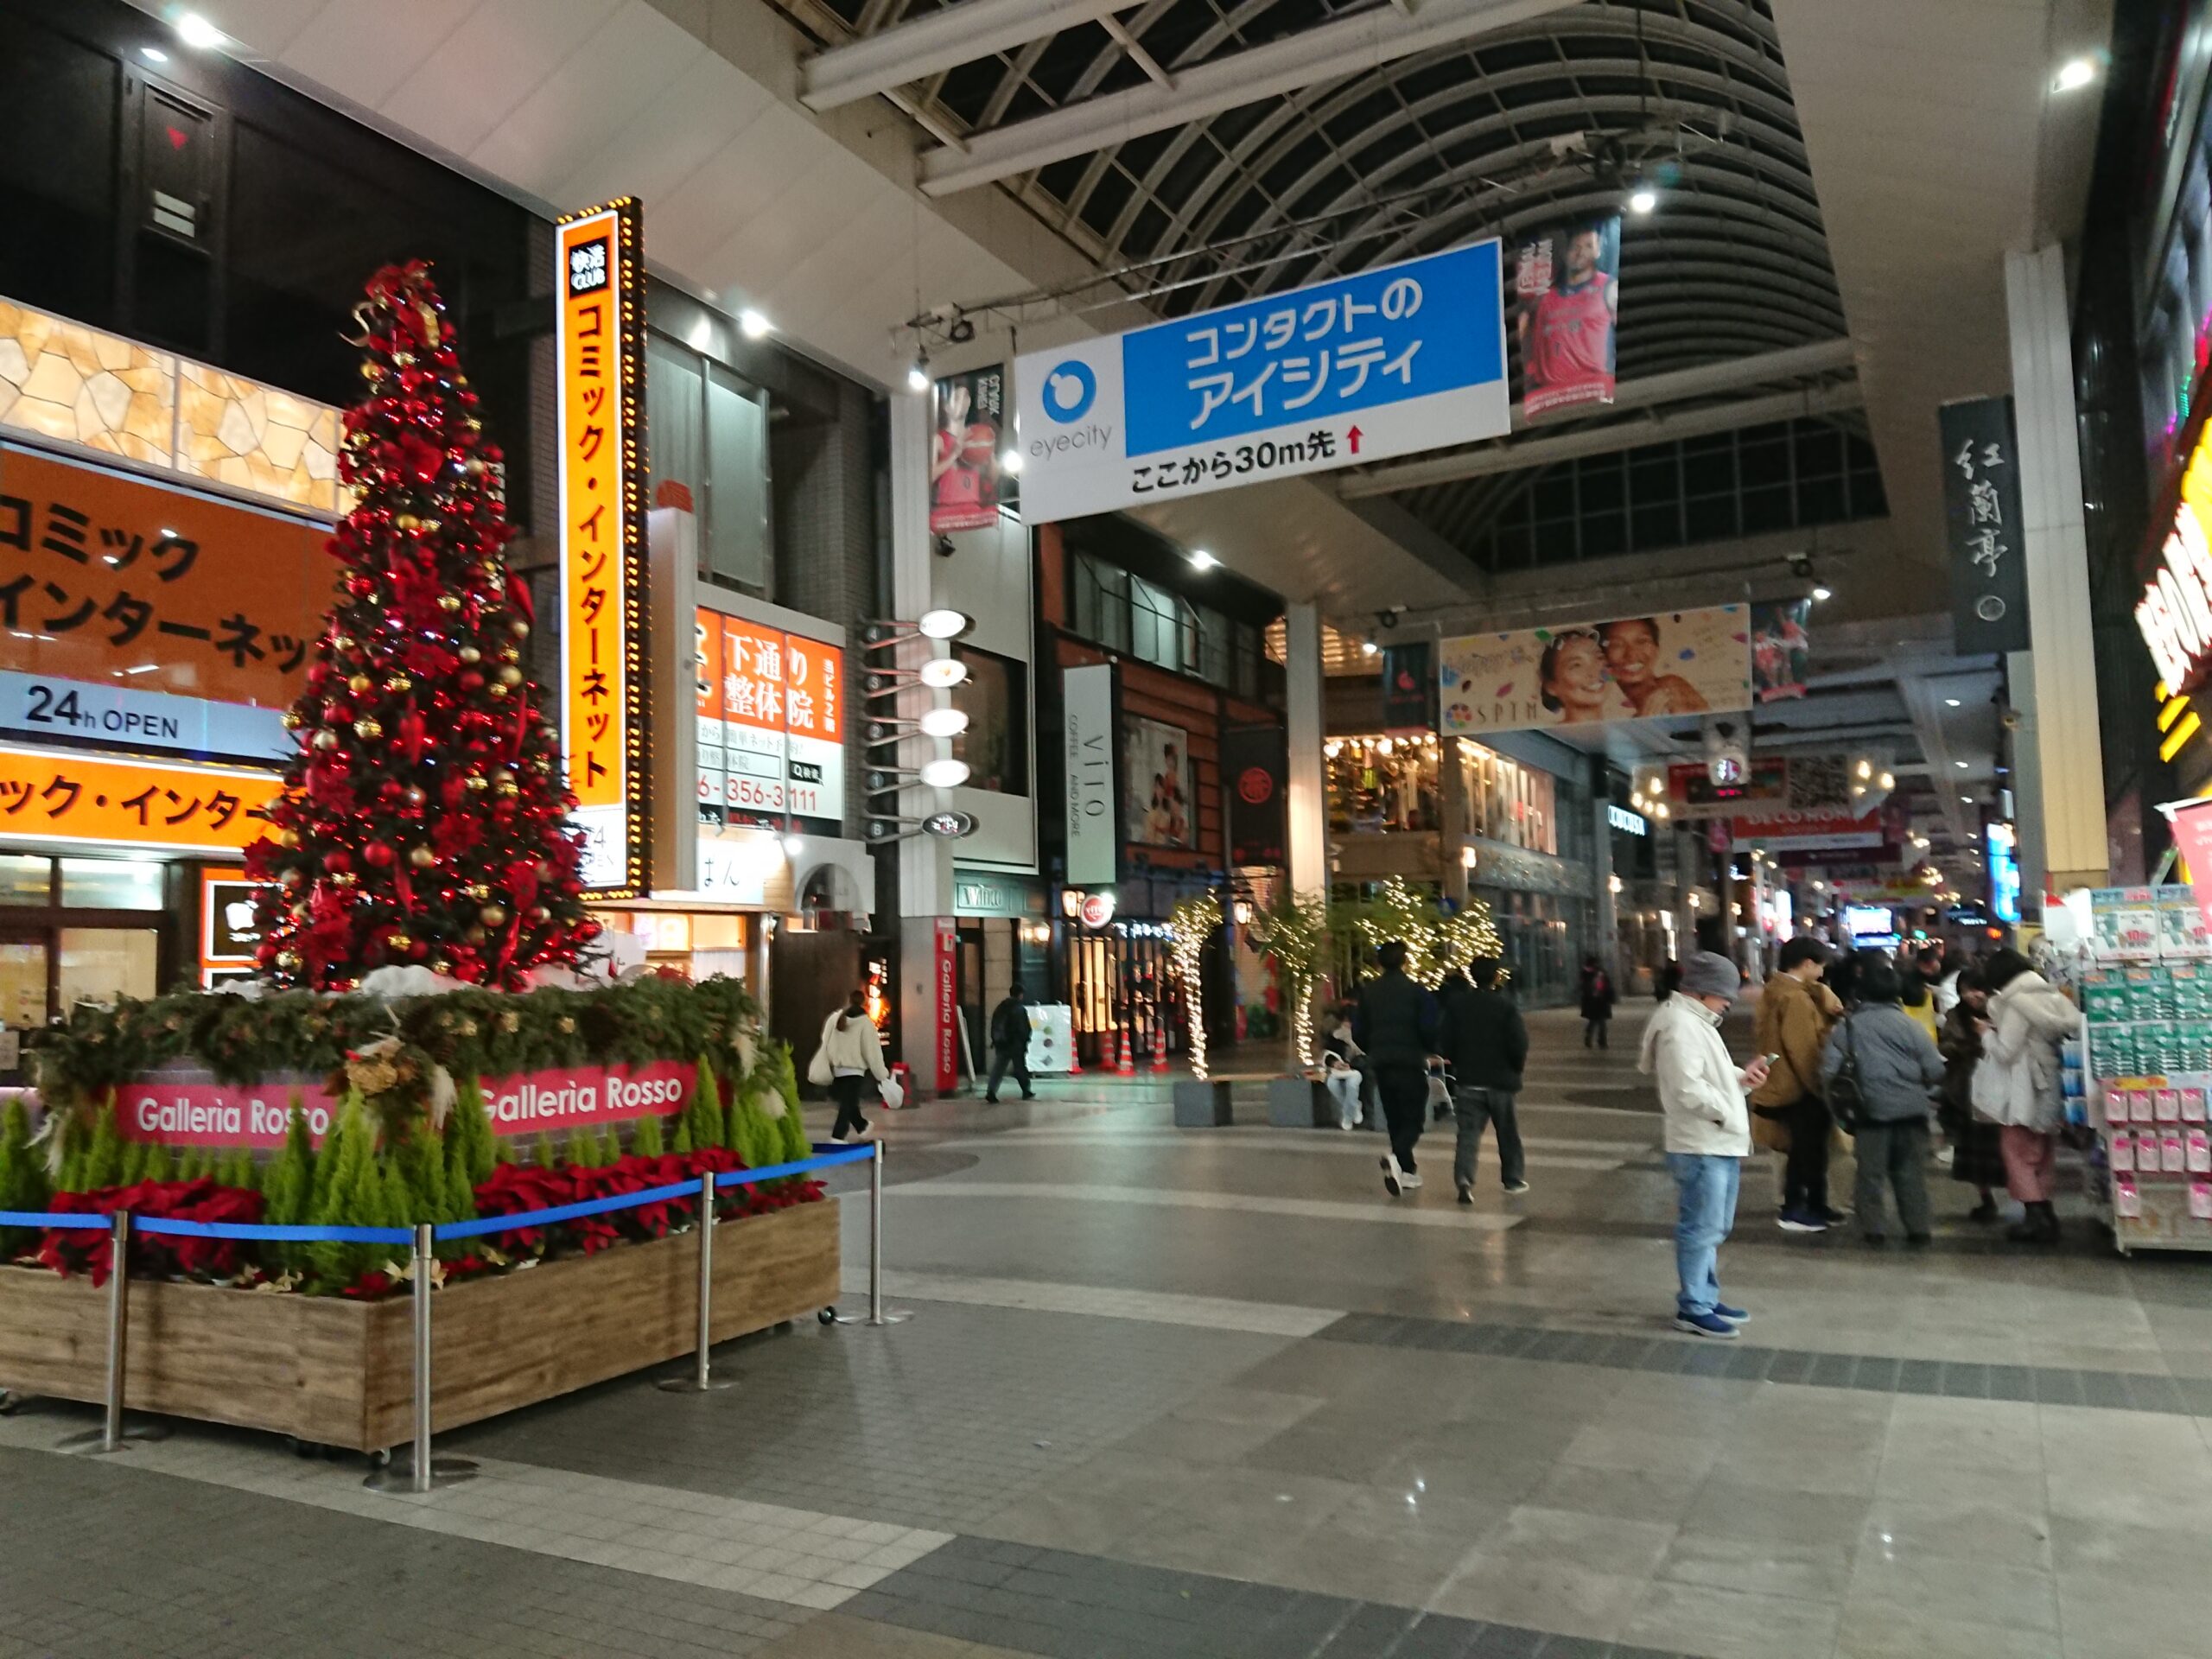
<point x="25" y="988"/>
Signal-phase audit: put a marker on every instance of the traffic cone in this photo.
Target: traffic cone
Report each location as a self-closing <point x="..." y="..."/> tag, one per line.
<point x="1075" y="1055"/>
<point x="1159" y="1047"/>
<point x="1127" y="1068"/>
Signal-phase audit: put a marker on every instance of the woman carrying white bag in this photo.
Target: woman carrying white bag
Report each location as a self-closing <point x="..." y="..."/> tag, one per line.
<point x="850" y="1054"/>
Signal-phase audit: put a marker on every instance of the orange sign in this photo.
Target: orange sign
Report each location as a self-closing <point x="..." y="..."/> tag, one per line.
<point x="184" y="622"/>
<point x="602" y="554"/>
<point x="773" y="741"/>
<point x="133" y="804"/>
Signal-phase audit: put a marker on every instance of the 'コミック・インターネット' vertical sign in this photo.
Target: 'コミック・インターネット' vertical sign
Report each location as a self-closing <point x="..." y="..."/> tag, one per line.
<point x="601" y="399"/>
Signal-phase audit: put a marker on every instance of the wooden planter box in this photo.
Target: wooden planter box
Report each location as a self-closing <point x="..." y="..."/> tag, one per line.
<point x="339" y="1373"/>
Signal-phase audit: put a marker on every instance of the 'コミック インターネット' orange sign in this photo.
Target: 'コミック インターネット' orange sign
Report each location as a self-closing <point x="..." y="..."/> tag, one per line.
<point x="601" y="374"/>
<point x="138" y="805"/>
<point x="156" y="620"/>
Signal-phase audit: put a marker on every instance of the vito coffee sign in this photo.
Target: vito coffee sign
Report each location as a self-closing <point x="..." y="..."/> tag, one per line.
<point x="2175" y="613"/>
<point x="1405" y="358"/>
<point x="186" y="1107"/>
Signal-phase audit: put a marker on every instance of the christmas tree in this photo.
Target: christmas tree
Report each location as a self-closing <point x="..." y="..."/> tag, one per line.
<point x="423" y="819"/>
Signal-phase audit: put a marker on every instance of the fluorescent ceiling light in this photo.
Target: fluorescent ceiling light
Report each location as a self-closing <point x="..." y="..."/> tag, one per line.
<point x="197" y="32"/>
<point x="1202" y="560"/>
<point x="153" y="55"/>
<point x="752" y="324"/>
<point x="2074" y="75"/>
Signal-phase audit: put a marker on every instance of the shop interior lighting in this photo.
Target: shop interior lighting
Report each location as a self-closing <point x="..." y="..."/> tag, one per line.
<point x="944" y="722"/>
<point x="794" y="845"/>
<point x="1866" y="768"/>
<point x="1643" y="200"/>
<point x="1010" y="462"/>
<point x="198" y="33"/>
<point x="918" y="372"/>
<point x="1202" y="560"/>
<point x="943" y="625"/>
<point x="1965" y="800"/>
<point x="1888" y="781"/>
<point x="1367" y="646"/>
<point x="944" y="773"/>
<point x="1467" y="858"/>
<point x="2074" y="75"/>
<point x="1823" y="593"/>
<point x="941" y="672"/>
<point x="153" y="55"/>
<point x="752" y="324"/>
<point x="1950" y="703"/>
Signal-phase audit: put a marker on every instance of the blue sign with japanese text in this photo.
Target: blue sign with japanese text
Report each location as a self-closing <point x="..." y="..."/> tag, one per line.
<point x="1391" y="361"/>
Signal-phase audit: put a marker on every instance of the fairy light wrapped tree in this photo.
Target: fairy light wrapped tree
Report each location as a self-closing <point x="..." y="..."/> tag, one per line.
<point x="423" y="819"/>
<point x="1190" y="925"/>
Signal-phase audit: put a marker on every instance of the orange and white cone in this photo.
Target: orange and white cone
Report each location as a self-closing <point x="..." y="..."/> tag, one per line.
<point x="1128" y="1066"/>
<point x="1159" y="1047"/>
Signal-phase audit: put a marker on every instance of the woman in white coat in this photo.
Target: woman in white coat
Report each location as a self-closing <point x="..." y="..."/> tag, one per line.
<point x="851" y="1054"/>
<point x="2016" y="1084"/>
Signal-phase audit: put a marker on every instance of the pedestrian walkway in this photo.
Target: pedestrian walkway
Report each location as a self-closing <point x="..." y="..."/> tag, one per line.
<point x="1212" y="1393"/>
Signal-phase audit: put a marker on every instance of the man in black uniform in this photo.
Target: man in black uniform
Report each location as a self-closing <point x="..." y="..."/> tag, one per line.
<point x="1397" y="1025"/>
<point x="1010" y="1044"/>
<point x="1487" y="1042"/>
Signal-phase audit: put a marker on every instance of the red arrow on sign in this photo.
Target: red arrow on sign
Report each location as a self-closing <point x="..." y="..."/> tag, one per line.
<point x="1354" y="435"/>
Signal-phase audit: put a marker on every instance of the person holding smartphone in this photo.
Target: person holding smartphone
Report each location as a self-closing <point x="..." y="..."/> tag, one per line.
<point x="1789" y="1115"/>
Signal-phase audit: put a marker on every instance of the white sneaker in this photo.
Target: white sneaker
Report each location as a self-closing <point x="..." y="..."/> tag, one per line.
<point x="1393" y="1179"/>
<point x="837" y="1139"/>
<point x="1409" y="1181"/>
<point x="866" y="1132"/>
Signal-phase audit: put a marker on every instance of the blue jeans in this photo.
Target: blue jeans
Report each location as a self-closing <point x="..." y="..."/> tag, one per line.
<point x="1705" y="1185"/>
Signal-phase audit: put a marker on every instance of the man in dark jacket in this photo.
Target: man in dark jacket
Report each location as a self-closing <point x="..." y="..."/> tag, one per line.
<point x="1397" y="1025"/>
<point x="1010" y="1044"/>
<point x="1487" y="1043"/>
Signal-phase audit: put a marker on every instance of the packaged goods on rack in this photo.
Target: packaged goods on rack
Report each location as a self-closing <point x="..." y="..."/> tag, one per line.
<point x="2142" y="1073"/>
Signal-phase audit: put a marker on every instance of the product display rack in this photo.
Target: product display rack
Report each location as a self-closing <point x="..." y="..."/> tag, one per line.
<point x="2141" y="1075"/>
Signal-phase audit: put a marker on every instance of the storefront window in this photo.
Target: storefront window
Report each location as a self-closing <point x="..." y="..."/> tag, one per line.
<point x="111" y="883"/>
<point x="708" y="431"/>
<point x="1509" y="802"/>
<point x="99" y="964"/>
<point x="994" y="697"/>
<point x="26" y="880"/>
<point x="1379" y="785"/>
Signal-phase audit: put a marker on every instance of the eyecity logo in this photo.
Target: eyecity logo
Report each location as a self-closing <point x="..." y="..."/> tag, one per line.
<point x="1069" y="390"/>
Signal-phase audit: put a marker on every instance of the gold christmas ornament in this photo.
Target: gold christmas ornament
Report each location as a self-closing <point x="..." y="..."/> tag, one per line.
<point x="398" y="942"/>
<point x="421" y="857"/>
<point x="372" y="371"/>
<point x="520" y="628"/>
<point x="288" y="960"/>
<point x="408" y="522"/>
<point x="448" y="603"/>
<point x="343" y="878"/>
<point x="288" y="838"/>
<point x="506" y="788"/>
<point x="475" y="935"/>
<point x="475" y="783"/>
<point x="469" y="654"/>
<point x="495" y="690"/>
<point x="493" y="915"/>
<point x="399" y="685"/>
<point x="368" y="730"/>
<point x="441" y="965"/>
<point x="540" y="914"/>
<point x="360" y="685"/>
<point x="479" y="891"/>
<point x="326" y="739"/>
<point x="292" y="721"/>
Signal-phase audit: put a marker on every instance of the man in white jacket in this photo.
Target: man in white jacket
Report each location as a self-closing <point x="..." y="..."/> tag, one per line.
<point x="1708" y="1132"/>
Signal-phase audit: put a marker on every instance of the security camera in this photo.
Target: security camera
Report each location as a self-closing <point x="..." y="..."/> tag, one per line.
<point x="962" y="331"/>
<point x="1800" y="564"/>
<point x="1386" y="619"/>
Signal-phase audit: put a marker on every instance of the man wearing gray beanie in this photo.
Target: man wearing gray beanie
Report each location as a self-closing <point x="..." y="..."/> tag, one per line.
<point x="1708" y="1132"/>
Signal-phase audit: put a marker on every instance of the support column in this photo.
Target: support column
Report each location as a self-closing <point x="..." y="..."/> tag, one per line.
<point x="1309" y="802"/>
<point x="1606" y="912"/>
<point x="2068" y="798"/>
<point x="925" y="861"/>
<point x="1455" y="819"/>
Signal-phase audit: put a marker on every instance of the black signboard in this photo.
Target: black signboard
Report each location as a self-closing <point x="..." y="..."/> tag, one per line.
<point x="1985" y="537"/>
<point x="1408" y="689"/>
<point x="1256" y="771"/>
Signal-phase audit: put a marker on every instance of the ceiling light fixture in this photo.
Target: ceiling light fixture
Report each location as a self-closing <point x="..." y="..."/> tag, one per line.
<point x="794" y="845"/>
<point x="944" y="774"/>
<point x="1643" y="200"/>
<point x="1823" y="593"/>
<point x="752" y="324"/>
<point x="2074" y="75"/>
<point x="153" y="55"/>
<point x="1950" y="703"/>
<point x="1010" y="462"/>
<point x="197" y="32"/>
<point x="1202" y="560"/>
<point x="1960" y="765"/>
<point x="917" y="373"/>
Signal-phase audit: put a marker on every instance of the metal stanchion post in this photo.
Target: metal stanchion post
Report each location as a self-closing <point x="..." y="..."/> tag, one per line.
<point x="424" y="1470"/>
<point x="876" y="1313"/>
<point x="702" y="1379"/>
<point x="111" y="1436"/>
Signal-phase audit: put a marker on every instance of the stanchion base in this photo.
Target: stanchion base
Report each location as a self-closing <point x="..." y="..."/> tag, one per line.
<point x="396" y="1479"/>
<point x="136" y="1431"/>
<point x="890" y="1317"/>
<point x="688" y="1384"/>
<point x="11" y="1402"/>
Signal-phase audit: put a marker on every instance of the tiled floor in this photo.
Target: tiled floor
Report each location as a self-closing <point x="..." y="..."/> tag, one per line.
<point x="1201" y="1393"/>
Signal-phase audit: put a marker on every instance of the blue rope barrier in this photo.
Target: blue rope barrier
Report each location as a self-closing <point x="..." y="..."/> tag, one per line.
<point x="285" y="1234"/>
<point x="53" y="1219"/>
<point x="452" y="1230"/>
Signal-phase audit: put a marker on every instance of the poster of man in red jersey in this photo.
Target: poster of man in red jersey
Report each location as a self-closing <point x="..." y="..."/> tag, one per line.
<point x="965" y="481"/>
<point x="1567" y="282"/>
